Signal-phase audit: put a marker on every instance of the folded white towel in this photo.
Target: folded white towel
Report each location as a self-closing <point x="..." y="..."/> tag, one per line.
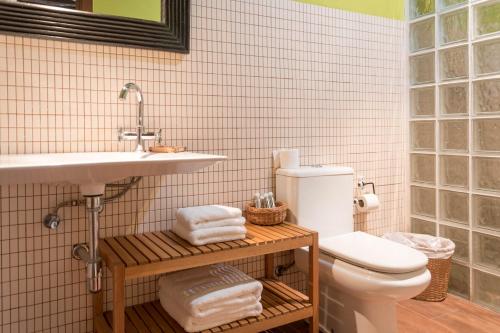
<point x="199" y="289"/>
<point x="194" y="324"/>
<point x="232" y="222"/>
<point x="206" y="311"/>
<point x="199" y="216"/>
<point x="210" y="235"/>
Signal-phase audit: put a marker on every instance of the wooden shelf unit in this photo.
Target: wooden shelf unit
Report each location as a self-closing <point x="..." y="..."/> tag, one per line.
<point x="153" y="253"/>
<point x="280" y="303"/>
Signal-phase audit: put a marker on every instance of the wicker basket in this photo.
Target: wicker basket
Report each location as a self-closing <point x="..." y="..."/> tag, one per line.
<point x="266" y="216"/>
<point x="440" y="274"/>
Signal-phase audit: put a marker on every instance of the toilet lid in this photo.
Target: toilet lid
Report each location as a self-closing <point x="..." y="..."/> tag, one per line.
<point x="373" y="253"/>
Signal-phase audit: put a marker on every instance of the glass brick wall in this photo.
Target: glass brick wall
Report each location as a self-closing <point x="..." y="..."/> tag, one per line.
<point x="455" y="137"/>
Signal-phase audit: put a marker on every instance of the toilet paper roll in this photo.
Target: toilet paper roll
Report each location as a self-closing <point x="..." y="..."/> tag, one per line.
<point x="367" y="202"/>
<point x="290" y="159"/>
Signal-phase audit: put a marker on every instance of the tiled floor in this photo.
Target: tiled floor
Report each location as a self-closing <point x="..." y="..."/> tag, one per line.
<point x="453" y="315"/>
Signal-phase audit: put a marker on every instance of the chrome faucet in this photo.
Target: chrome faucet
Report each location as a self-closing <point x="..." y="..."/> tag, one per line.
<point x="139" y="136"/>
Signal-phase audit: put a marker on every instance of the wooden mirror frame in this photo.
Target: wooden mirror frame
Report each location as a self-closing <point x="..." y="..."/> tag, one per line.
<point x="60" y="23"/>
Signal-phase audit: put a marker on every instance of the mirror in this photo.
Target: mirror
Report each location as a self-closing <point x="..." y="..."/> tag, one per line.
<point x="148" y="10"/>
<point x="155" y="24"/>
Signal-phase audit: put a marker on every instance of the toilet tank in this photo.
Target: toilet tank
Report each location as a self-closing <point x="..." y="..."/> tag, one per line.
<point x="318" y="198"/>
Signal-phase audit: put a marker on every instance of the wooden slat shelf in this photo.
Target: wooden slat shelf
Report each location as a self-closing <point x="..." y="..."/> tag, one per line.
<point x="162" y="252"/>
<point x="300" y="326"/>
<point x="281" y="305"/>
<point x="153" y="253"/>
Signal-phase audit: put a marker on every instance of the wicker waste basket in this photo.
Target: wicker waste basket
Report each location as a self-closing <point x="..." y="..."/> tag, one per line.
<point x="439" y="251"/>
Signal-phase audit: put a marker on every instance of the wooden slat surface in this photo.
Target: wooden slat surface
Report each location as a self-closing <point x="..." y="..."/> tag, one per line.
<point x="296" y="327"/>
<point x="158" y="252"/>
<point x="282" y="305"/>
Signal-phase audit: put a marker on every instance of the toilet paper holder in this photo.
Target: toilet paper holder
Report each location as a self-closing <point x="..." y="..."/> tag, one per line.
<point x="362" y="183"/>
<point x="361" y="186"/>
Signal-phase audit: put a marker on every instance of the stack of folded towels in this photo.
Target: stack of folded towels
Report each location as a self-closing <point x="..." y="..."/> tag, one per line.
<point x="209" y="224"/>
<point x="205" y="297"/>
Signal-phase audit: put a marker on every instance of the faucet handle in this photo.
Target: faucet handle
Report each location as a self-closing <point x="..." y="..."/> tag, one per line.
<point x="146" y="136"/>
<point x="126" y="136"/>
<point x="149" y="136"/>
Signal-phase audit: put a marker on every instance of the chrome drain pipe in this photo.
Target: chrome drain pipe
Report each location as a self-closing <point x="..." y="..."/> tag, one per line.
<point x="90" y="253"/>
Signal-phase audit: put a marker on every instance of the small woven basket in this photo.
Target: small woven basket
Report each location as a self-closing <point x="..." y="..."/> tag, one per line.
<point x="440" y="275"/>
<point x="266" y="216"/>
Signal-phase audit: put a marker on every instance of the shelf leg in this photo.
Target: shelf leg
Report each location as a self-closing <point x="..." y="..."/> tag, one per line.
<point x="269" y="265"/>
<point x="118" y="299"/>
<point x="314" y="284"/>
<point x="98" y="303"/>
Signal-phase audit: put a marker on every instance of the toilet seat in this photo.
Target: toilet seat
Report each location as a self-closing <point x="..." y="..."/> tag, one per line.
<point x="373" y="253"/>
<point x="362" y="282"/>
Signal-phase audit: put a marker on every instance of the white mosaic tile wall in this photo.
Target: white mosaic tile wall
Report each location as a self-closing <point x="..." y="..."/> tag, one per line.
<point x="260" y="75"/>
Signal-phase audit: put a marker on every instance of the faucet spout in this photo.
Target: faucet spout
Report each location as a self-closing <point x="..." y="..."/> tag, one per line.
<point x="140" y="119"/>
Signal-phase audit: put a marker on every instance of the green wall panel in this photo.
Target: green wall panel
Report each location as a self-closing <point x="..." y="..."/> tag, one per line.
<point x="144" y="9"/>
<point x="393" y="9"/>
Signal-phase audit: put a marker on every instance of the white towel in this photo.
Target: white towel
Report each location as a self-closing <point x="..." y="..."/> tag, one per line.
<point x="194" y="324"/>
<point x="201" y="216"/>
<point x="232" y="222"/>
<point x="198" y="289"/>
<point x="204" y="311"/>
<point x="209" y="296"/>
<point x="210" y="235"/>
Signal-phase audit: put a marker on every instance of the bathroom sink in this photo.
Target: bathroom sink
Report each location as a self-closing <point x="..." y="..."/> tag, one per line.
<point x="93" y="170"/>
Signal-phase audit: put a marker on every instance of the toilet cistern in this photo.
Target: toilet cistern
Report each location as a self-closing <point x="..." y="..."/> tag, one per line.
<point x="139" y="136"/>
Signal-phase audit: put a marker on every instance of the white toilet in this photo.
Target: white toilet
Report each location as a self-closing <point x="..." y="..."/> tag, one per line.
<point x="361" y="276"/>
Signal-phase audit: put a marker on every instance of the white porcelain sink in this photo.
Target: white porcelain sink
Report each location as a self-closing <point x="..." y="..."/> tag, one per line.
<point x="93" y="170"/>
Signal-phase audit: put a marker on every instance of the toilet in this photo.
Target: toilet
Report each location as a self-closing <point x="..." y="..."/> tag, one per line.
<point x="362" y="276"/>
